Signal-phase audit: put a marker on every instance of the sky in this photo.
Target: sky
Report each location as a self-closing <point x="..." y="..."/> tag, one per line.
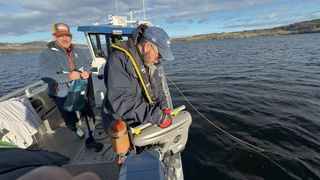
<point x="32" y="20"/>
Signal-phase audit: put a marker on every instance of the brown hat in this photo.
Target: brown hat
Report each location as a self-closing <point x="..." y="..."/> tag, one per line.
<point x="59" y="29"/>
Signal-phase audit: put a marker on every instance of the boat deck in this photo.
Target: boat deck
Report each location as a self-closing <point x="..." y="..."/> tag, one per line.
<point x="82" y="160"/>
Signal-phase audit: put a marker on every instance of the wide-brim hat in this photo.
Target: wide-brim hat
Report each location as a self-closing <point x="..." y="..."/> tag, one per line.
<point x="161" y="39"/>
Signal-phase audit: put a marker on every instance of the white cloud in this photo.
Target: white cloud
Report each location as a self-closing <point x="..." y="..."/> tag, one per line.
<point x="38" y="16"/>
<point x="316" y="15"/>
<point x="273" y="14"/>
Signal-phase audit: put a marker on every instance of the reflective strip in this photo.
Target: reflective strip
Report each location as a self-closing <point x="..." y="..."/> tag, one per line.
<point x="54" y="49"/>
<point x="137" y="71"/>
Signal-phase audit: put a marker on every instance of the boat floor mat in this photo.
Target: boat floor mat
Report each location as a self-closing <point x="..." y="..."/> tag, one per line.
<point x="89" y="156"/>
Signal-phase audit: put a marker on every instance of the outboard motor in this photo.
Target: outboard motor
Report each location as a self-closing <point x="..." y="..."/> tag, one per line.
<point x="164" y="143"/>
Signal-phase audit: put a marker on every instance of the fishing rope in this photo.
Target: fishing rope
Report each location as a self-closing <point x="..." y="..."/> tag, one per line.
<point x="251" y="146"/>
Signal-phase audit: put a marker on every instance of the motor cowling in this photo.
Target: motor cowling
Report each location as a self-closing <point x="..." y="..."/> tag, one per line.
<point x="118" y="133"/>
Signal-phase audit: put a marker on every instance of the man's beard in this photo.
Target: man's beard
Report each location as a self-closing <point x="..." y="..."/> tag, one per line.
<point x="147" y="59"/>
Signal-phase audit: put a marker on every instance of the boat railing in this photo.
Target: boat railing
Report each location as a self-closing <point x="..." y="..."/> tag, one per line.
<point x="26" y="91"/>
<point x="39" y="99"/>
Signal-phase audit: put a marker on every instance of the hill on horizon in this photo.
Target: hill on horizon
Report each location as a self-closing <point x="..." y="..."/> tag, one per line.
<point x="312" y="26"/>
<point x="26" y="47"/>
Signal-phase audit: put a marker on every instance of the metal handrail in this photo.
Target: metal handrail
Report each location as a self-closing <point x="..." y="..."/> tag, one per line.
<point x="19" y="91"/>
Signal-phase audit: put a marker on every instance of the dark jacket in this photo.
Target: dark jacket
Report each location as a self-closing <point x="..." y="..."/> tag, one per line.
<point x="55" y="67"/>
<point x="125" y="97"/>
<point x="15" y="162"/>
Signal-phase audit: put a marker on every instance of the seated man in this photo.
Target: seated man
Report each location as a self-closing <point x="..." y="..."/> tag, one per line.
<point x="134" y="87"/>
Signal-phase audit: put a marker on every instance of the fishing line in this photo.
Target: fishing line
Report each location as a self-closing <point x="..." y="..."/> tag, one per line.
<point x="251" y="146"/>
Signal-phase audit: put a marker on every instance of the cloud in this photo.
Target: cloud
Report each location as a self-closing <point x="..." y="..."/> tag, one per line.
<point x="20" y="17"/>
<point x="206" y="8"/>
<point x="266" y="18"/>
<point x="203" y="20"/>
<point x="315" y="15"/>
<point x="38" y="16"/>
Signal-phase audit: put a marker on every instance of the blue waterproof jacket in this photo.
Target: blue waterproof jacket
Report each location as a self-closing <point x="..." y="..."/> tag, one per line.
<point x="55" y="66"/>
<point x="125" y="98"/>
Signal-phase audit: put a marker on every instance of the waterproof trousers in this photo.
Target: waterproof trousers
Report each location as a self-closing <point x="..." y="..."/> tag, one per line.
<point x="70" y="118"/>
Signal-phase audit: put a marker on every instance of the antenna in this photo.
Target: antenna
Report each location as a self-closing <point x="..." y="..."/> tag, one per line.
<point x="130" y="14"/>
<point x="117" y="7"/>
<point x="144" y="11"/>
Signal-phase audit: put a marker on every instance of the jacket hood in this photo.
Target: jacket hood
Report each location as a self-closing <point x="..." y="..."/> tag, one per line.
<point x="137" y="33"/>
<point x="54" y="44"/>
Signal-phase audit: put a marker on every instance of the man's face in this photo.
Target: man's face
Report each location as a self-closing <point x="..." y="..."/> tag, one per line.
<point x="63" y="40"/>
<point x="150" y="54"/>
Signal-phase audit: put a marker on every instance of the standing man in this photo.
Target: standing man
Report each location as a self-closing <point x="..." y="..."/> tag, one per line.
<point x="134" y="87"/>
<point x="59" y="64"/>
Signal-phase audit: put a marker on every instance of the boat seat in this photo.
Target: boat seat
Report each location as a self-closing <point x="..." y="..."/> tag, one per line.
<point x="44" y="106"/>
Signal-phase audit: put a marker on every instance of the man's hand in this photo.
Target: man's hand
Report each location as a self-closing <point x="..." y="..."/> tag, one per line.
<point x="74" y="75"/>
<point x="167" y="111"/>
<point x="166" y="119"/>
<point x="85" y="75"/>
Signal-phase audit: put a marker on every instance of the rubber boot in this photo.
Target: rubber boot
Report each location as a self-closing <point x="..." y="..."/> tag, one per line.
<point x="91" y="143"/>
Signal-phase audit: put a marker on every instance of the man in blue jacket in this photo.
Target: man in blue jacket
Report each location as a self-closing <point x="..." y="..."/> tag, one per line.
<point x="134" y="87"/>
<point x="59" y="64"/>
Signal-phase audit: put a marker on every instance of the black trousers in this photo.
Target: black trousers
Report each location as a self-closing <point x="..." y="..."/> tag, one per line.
<point x="70" y="118"/>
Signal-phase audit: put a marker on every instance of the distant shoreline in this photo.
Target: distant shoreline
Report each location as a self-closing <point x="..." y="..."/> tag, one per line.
<point x="11" y="51"/>
<point x="37" y="46"/>
<point x="304" y="27"/>
<point x="236" y="35"/>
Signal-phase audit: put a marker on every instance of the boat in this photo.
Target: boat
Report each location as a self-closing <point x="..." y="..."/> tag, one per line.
<point x="159" y="149"/>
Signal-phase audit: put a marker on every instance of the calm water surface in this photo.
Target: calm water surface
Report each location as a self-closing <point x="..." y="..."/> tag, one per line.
<point x="263" y="90"/>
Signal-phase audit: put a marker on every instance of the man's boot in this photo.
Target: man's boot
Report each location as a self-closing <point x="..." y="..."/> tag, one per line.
<point x="91" y="143"/>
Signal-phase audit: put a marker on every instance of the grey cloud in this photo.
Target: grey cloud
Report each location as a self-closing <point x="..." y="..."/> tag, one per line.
<point x="190" y="21"/>
<point x="315" y="15"/>
<point x="38" y="16"/>
<point x="203" y="20"/>
<point x="7" y="3"/>
<point x="266" y="23"/>
<point x="60" y="5"/>
<point x="207" y="8"/>
<point x="22" y="23"/>
<point x="265" y="18"/>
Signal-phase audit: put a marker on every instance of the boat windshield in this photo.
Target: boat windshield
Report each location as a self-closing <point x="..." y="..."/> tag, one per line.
<point x="101" y="43"/>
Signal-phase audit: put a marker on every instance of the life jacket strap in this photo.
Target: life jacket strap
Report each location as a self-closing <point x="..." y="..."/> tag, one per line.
<point x="137" y="71"/>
